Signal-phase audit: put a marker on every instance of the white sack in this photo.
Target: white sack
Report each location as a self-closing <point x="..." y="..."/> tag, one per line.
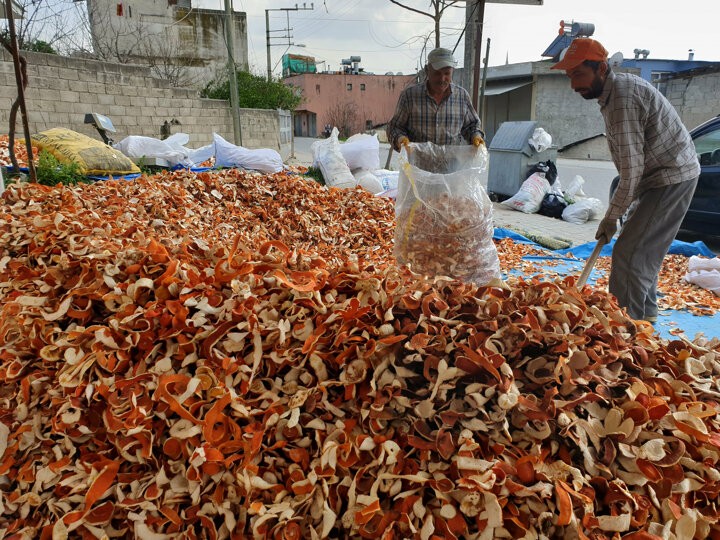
<point x="201" y="154"/>
<point x="388" y="178"/>
<point x="328" y="158"/>
<point x="138" y="147"/>
<point x="530" y="195"/>
<point x="361" y="151"/>
<point x="367" y="180"/>
<point x="704" y="273"/>
<point x="265" y="160"/>
<point x="585" y="209"/>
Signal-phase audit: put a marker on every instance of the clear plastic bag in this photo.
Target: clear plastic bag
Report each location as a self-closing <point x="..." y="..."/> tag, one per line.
<point x="443" y="214"/>
<point x="583" y="210"/>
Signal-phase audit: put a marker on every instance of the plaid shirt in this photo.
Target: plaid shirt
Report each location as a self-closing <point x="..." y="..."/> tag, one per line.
<point x="648" y="142"/>
<point x="419" y="118"/>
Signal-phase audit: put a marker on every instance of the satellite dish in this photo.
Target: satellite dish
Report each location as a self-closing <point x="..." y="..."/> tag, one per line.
<point x="616" y="60"/>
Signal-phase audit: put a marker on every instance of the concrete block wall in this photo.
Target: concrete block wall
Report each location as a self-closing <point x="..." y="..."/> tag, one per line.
<point x="695" y="96"/>
<point x="560" y="111"/>
<point x="61" y="90"/>
<point x="568" y="117"/>
<point x="595" y="148"/>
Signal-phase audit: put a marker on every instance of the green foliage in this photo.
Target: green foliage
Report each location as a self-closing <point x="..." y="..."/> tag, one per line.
<point x="255" y="92"/>
<point x="35" y="45"/>
<point x="38" y="45"/>
<point x="51" y="172"/>
<point x="145" y="168"/>
<point x="315" y="174"/>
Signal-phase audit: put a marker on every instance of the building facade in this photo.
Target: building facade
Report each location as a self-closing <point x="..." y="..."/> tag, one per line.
<point x="177" y="40"/>
<point x="534" y="91"/>
<point x="357" y="102"/>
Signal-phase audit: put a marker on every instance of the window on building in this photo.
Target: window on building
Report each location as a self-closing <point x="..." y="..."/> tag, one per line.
<point x="349" y="86"/>
<point x="362" y="86"/>
<point x="656" y="78"/>
<point x="317" y="88"/>
<point x="119" y="10"/>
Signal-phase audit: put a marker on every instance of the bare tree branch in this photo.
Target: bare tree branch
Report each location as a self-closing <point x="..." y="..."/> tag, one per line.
<point x="343" y="116"/>
<point x="92" y="29"/>
<point x="411" y="8"/>
<point x="439" y="7"/>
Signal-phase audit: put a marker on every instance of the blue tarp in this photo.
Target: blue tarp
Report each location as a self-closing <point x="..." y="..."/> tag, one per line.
<point x="668" y="320"/>
<point x="678" y="247"/>
<point x="133" y="176"/>
<point x="113" y="177"/>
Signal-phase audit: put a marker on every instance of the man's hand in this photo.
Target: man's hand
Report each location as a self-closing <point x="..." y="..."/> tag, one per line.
<point x="477" y="141"/>
<point x="606" y="230"/>
<point x="403" y="141"/>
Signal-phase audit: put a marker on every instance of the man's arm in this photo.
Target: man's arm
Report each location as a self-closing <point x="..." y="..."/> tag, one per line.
<point x="398" y="125"/>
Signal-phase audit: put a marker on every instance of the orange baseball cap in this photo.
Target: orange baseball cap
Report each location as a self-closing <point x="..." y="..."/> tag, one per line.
<point x="581" y="49"/>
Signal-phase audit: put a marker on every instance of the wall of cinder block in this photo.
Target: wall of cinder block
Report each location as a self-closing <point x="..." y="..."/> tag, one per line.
<point x="695" y="96"/>
<point x="62" y="90"/>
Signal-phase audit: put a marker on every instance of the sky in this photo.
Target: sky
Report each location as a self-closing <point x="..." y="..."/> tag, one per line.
<point x="390" y="38"/>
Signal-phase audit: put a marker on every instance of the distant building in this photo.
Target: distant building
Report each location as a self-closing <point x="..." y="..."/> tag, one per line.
<point x="349" y="99"/>
<point x="294" y="64"/>
<point x="164" y="34"/>
<point x="532" y="91"/>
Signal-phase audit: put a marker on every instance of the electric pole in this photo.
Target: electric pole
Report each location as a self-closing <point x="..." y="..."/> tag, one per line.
<point x="286" y="30"/>
<point x="232" y="75"/>
<point x="474" y="15"/>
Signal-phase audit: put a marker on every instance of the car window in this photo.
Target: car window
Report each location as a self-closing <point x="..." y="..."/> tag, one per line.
<point x="708" y="142"/>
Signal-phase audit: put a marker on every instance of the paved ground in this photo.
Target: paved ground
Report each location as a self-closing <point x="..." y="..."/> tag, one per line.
<point x="597" y="175"/>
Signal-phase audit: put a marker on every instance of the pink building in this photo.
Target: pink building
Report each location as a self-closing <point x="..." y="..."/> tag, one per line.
<point x="356" y="101"/>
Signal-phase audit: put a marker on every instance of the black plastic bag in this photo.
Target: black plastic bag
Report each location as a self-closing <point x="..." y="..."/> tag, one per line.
<point x="552" y="206"/>
<point x="547" y="168"/>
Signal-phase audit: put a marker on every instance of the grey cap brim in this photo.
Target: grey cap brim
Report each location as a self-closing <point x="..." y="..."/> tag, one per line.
<point x="440" y="64"/>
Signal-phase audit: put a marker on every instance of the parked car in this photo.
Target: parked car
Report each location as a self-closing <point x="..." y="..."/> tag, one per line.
<point x="703" y="216"/>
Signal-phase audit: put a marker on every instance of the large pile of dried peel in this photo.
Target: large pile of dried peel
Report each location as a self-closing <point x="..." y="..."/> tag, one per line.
<point x="231" y="355"/>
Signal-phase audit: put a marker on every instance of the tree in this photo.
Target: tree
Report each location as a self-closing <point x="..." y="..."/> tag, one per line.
<point x="254" y="92"/>
<point x="439" y="7"/>
<point x="161" y="54"/>
<point x="38" y="45"/>
<point x="64" y="27"/>
<point x="343" y="116"/>
<point x="48" y="26"/>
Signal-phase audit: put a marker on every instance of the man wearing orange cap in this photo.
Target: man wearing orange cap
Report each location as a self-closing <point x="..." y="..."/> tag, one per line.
<point x="658" y="167"/>
<point x="435" y="110"/>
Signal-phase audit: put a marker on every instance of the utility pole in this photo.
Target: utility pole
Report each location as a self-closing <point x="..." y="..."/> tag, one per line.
<point x="477" y="25"/>
<point x="232" y="75"/>
<point x="481" y="109"/>
<point x="287" y="30"/>
<point x="474" y="17"/>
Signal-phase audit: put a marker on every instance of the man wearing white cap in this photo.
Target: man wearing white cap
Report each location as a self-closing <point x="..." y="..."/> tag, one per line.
<point x="436" y="110"/>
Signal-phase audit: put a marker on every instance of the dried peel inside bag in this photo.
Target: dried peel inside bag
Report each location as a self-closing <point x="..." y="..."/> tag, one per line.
<point x="233" y="355"/>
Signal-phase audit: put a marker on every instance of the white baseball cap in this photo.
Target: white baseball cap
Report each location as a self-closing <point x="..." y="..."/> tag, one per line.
<point x="441" y="58"/>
